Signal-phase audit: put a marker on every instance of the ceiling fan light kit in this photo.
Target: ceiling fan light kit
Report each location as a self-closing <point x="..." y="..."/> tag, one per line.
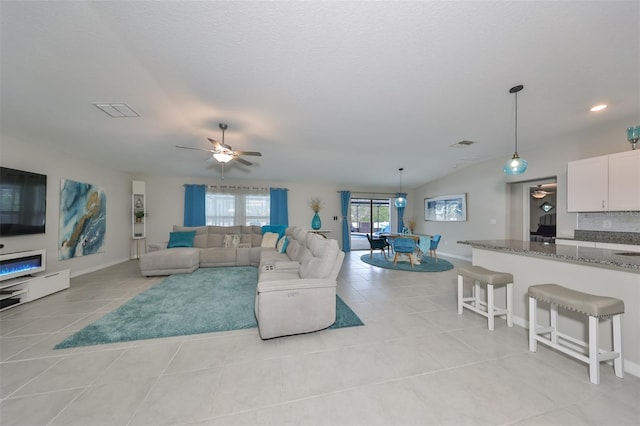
<point x="538" y="193"/>
<point x="223" y="157"/>
<point x="516" y="165"/>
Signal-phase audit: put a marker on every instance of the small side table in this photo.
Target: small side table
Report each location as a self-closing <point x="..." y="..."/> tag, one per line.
<point x="136" y="243"/>
<point x="322" y="232"/>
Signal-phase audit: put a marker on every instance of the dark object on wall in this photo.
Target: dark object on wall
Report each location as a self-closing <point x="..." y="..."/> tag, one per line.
<point x="23" y="200"/>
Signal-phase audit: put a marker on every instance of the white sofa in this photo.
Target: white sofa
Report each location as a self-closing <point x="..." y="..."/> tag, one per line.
<point x="296" y="291"/>
<point x="208" y="250"/>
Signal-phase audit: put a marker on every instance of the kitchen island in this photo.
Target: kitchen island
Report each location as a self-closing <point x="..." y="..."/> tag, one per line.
<point x="591" y="270"/>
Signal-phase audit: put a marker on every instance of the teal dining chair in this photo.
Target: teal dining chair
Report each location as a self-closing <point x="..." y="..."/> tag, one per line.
<point x="404" y="246"/>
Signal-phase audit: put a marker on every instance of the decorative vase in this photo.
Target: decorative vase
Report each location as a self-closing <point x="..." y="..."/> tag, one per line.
<point x="315" y="222"/>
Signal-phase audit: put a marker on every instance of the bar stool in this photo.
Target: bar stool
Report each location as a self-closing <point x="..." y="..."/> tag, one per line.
<point x="491" y="279"/>
<point x="596" y="307"/>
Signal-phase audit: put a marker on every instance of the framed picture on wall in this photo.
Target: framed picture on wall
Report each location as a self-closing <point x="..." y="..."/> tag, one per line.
<point x="446" y="208"/>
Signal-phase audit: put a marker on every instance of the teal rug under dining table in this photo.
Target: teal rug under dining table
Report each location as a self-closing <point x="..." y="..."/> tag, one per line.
<point x="427" y="263"/>
<point x="207" y="300"/>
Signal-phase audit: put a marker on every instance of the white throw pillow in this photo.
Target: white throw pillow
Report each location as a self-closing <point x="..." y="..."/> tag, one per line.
<point x="231" y="240"/>
<point x="269" y="239"/>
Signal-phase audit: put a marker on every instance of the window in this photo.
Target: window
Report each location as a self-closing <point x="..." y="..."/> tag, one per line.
<point x="369" y="215"/>
<point x="237" y="206"/>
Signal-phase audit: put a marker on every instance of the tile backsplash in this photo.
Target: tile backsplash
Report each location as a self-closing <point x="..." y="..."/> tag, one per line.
<point x="609" y="221"/>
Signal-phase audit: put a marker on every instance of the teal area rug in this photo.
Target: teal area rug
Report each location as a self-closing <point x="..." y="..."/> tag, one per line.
<point x="427" y="263"/>
<point x="205" y="301"/>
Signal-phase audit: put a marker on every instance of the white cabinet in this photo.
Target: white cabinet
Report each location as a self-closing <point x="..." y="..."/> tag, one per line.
<point x="138" y="210"/>
<point x="587" y="185"/>
<point x="624" y="181"/>
<point x="605" y="183"/>
<point x="20" y="290"/>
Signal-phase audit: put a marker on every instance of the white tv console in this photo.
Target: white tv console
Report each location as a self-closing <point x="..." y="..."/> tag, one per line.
<point x="17" y="290"/>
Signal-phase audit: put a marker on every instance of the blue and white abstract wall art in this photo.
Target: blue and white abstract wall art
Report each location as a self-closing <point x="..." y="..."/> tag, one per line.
<point x="83" y="219"/>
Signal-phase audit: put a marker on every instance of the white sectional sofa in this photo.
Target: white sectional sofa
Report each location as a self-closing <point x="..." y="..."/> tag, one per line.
<point x="296" y="291"/>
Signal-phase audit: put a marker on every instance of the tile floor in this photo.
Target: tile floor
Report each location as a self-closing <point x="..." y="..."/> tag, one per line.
<point x="414" y="362"/>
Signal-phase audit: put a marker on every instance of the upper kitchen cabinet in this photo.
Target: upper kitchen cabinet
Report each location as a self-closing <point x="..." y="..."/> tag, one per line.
<point x="624" y="181"/>
<point x="587" y="185"/>
<point x="606" y="183"/>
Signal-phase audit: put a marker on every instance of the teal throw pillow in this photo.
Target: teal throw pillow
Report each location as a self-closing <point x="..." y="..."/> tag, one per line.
<point x="181" y="239"/>
<point x="278" y="229"/>
<point x="282" y="245"/>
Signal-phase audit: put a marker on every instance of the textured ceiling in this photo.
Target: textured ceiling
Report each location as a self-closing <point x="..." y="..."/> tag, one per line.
<point x="331" y="92"/>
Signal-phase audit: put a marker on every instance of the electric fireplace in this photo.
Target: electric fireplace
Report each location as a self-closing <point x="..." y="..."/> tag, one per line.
<point x="13" y="265"/>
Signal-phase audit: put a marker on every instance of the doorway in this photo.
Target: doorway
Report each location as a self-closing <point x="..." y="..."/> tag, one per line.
<point x="368" y="216"/>
<point x="532" y="209"/>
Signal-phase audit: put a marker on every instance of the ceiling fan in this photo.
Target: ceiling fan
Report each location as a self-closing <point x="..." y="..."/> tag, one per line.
<point x="223" y="153"/>
<point x="539" y="193"/>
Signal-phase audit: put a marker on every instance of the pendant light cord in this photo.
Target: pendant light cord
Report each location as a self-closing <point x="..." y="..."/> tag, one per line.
<point x="516" y="127"/>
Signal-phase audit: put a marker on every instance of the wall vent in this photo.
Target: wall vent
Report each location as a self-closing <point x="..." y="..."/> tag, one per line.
<point x="462" y="144"/>
<point x="117" y="110"/>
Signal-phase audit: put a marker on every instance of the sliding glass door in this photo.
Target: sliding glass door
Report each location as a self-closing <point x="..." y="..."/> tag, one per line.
<point x="368" y="216"/>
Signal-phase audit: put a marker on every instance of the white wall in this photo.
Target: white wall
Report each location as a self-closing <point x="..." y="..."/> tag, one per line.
<point x="19" y="154"/>
<point x="488" y="192"/>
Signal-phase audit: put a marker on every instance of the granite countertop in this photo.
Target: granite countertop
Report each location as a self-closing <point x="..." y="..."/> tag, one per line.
<point x="602" y="258"/>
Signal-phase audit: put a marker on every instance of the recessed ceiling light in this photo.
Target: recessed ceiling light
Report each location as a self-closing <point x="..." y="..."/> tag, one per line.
<point x="598" y="108"/>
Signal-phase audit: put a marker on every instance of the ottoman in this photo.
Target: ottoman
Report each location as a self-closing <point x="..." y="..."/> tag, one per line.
<point x="179" y="260"/>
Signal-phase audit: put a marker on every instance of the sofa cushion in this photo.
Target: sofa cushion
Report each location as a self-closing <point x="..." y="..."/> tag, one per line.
<point x="225" y="230"/>
<point x="181" y="239"/>
<point x="323" y="257"/>
<point x="218" y="256"/>
<point x="215" y="240"/>
<point x="181" y="260"/>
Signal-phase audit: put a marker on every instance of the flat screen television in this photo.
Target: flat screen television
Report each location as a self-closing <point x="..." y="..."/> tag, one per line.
<point x="23" y="202"/>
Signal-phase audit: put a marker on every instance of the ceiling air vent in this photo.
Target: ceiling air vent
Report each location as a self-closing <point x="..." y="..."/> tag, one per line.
<point x="462" y="144"/>
<point x="117" y="110"/>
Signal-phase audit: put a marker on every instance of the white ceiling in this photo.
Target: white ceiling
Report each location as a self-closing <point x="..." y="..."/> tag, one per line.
<point x="331" y="92"/>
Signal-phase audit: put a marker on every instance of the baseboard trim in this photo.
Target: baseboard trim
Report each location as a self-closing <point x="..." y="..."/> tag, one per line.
<point x="455" y="256"/>
<point x="98" y="267"/>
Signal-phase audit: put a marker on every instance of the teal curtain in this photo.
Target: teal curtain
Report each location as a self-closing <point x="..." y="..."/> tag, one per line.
<point x="401" y="211"/>
<point x="345" y="200"/>
<point x="194" y="205"/>
<point x="279" y="208"/>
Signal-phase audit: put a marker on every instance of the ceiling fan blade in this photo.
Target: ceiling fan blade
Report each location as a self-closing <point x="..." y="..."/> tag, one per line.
<point x="196" y="149"/>
<point x="242" y="160"/>
<point x="254" y="153"/>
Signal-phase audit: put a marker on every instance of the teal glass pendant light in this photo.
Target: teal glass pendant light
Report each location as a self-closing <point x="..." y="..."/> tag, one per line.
<point x="400" y="201"/>
<point x="516" y="165"/>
